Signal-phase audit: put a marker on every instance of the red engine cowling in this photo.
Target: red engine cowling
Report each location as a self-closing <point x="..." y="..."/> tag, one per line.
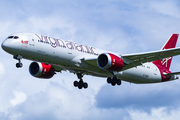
<point x="41" y="70"/>
<point x="110" y="62"/>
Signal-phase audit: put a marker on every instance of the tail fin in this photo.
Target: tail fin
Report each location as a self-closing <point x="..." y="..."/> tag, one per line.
<point x="171" y="43"/>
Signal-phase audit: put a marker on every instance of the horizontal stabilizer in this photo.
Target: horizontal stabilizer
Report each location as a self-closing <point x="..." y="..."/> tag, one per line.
<point x="170" y="74"/>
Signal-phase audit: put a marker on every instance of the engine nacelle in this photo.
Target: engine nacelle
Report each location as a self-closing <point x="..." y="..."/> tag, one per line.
<point x="110" y="62"/>
<point x="41" y="70"/>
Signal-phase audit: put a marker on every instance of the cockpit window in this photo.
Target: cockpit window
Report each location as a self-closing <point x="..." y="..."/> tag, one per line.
<point x="16" y="37"/>
<point x="10" y="37"/>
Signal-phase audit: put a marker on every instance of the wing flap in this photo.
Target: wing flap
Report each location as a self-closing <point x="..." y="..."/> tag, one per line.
<point x="58" y="68"/>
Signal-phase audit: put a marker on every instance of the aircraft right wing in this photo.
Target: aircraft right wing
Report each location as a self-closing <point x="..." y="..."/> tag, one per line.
<point x="133" y="60"/>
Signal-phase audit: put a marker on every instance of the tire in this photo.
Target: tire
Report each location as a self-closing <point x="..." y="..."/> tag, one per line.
<point x="80" y="85"/>
<point x="114" y="81"/>
<point x="118" y="82"/>
<point x="19" y="65"/>
<point x="109" y="80"/>
<point x="85" y="85"/>
<point x="76" y="83"/>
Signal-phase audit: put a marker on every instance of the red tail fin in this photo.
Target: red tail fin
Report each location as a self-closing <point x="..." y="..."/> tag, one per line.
<point x="171" y="43"/>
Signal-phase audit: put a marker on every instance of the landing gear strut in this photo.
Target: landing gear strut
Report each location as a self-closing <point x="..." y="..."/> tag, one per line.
<point x="80" y="84"/>
<point x="113" y="81"/>
<point x="18" y="57"/>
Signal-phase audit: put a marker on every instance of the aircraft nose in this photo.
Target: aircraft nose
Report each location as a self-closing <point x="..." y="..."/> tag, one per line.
<point x="5" y="45"/>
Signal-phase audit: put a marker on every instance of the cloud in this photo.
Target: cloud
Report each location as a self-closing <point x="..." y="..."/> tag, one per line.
<point x="166" y="8"/>
<point x="20" y="97"/>
<point x="2" y="69"/>
<point x="138" y="97"/>
<point x="57" y="102"/>
<point x="156" y="114"/>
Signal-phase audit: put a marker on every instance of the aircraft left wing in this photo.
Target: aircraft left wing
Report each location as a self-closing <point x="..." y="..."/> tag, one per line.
<point x="133" y="60"/>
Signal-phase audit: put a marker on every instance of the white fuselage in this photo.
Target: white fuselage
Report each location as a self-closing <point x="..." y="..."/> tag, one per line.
<point x="67" y="55"/>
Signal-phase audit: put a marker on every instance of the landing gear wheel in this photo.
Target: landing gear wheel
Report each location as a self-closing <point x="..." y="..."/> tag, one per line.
<point x="19" y="65"/>
<point x="76" y="83"/>
<point x="109" y="80"/>
<point x="85" y="85"/>
<point x="118" y="82"/>
<point x="80" y="84"/>
<point x="113" y="81"/>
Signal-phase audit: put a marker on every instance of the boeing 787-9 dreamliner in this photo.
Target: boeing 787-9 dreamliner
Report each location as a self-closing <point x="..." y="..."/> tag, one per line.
<point x="51" y="55"/>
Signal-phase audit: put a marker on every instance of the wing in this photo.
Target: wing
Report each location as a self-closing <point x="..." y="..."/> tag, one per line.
<point x="91" y="61"/>
<point x="58" y="68"/>
<point x="133" y="60"/>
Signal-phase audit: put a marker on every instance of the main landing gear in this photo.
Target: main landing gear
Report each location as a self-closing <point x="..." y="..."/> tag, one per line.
<point x="80" y="84"/>
<point x="18" y="57"/>
<point x="113" y="81"/>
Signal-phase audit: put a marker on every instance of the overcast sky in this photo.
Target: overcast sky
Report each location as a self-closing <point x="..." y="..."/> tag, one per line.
<point x="123" y="26"/>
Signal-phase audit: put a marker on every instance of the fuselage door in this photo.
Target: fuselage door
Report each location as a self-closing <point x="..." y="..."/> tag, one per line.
<point x="31" y="40"/>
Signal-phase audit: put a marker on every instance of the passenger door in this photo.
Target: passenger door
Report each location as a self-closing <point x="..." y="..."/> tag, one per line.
<point x="31" y="40"/>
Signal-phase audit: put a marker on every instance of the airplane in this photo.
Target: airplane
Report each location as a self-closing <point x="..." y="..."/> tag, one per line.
<point x="51" y="55"/>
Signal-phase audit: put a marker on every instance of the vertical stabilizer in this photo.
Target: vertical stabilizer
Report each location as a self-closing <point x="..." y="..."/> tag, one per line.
<point x="171" y="43"/>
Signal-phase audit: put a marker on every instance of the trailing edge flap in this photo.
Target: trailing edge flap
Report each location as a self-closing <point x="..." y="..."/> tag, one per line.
<point x="170" y="74"/>
<point x="57" y="68"/>
<point x="91" y="61"/>
<point x="134" y="60"/>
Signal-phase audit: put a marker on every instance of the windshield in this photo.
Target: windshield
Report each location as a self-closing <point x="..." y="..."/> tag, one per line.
<point x="13" y="37"/>
<point x="10" y="37"/>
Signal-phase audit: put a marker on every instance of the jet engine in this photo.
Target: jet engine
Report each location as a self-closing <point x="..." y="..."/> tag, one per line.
<point x="110" y="62"/>
<point x="41" y="70"/>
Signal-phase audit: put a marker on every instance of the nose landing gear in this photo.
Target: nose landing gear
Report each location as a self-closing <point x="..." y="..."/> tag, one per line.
<point x="18" y="57"/>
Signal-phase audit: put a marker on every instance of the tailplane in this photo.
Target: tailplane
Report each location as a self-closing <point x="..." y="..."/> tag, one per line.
<point x="171" y="43"/>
